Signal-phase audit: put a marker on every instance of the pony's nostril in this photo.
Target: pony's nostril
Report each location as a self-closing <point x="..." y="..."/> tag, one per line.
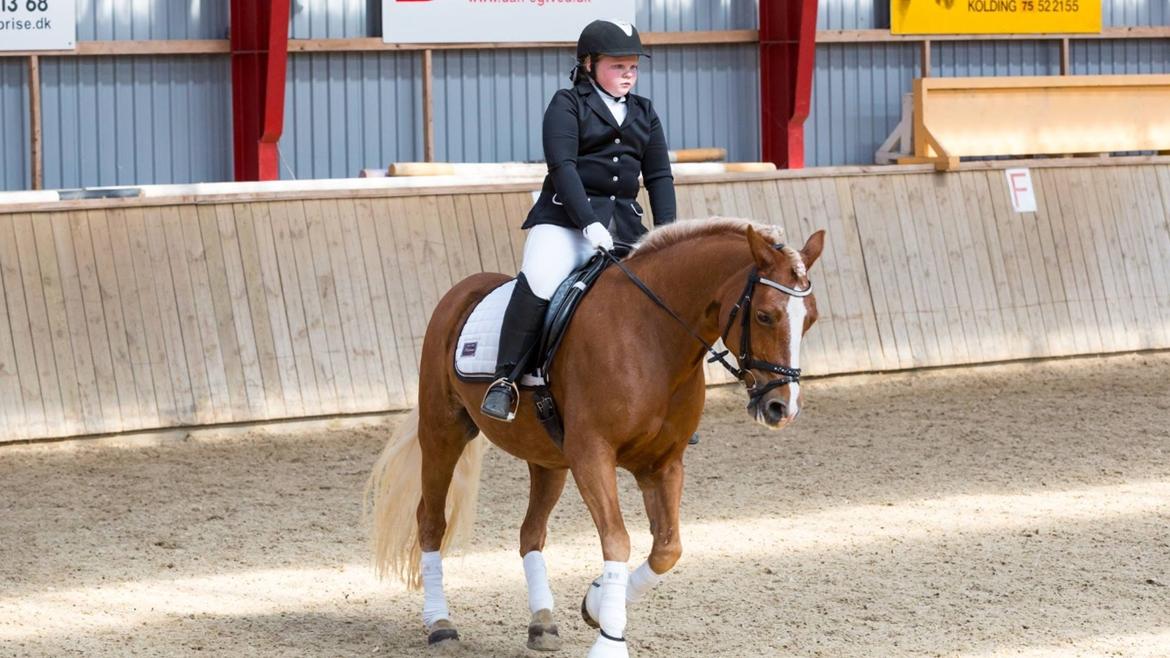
<point x="775" y="411"/>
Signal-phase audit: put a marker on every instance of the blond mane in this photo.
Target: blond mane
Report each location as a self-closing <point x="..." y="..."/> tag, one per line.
<point x="676" y="232"/>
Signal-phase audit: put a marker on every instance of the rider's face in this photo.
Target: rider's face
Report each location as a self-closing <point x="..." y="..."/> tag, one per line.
<point x="617" y="75"/>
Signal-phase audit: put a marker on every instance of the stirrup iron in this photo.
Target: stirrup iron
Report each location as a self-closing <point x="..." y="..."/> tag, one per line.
<point x="511" y="414"/>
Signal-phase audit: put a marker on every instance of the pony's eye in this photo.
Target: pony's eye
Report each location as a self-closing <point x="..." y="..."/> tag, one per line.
<point x="763" y="318"/>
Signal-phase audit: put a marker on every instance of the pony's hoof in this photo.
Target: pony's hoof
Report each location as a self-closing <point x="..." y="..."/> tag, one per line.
<point x="443" y="634"/>
<point x="595" y="591"/>
<point x="542" y="632"/>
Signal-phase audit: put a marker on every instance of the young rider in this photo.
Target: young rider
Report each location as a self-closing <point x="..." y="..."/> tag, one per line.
<point x="598" y="137"/>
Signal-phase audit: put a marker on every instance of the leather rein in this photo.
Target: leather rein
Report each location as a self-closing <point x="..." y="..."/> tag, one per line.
<point x="743" y="308"/>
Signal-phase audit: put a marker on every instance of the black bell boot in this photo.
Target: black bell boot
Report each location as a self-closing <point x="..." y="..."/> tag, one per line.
<point x="522" y="323"/>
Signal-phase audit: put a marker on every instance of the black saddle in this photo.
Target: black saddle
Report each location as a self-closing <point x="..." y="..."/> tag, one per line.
<point x="563" y="304"/>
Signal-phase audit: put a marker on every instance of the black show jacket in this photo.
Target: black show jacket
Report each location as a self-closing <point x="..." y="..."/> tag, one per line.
<point x="593" y="164"/>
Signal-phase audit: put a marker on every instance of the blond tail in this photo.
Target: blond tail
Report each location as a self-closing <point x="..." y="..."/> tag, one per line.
<point x="395" y="489"/>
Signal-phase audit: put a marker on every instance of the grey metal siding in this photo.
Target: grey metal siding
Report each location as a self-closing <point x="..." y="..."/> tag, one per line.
<point x="852" y="14"/>
<point x="1118" y="13"/>
<point x="857" y="88"/>
<point x="856" y="100"/>
<point x="14" y="142"/>
<point x="337" y="19"/>
<point x="1119" y="57"/>
<point x="685" y="15"/>
<point x="346" y="112"/>
<point x="956" y="59"/>
<point x="100" y="20"/>
<point x="707" y="96"/>
<point x="135" y="120"/>
<point x="489" y="104"/>
<point x="168" y="119"/>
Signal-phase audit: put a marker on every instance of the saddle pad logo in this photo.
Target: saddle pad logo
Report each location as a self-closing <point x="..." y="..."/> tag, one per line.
<point x="469" y="349"/>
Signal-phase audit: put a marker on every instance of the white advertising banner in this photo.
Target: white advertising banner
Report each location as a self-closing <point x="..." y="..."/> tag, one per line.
<point x="38" y="24"/>
<point x="480" y="21"/>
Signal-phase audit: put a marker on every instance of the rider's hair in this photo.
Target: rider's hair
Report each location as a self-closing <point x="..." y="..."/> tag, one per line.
<point x="579" y="72"/>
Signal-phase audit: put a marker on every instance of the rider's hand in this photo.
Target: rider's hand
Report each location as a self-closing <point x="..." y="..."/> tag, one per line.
<point x="598" y="236"/>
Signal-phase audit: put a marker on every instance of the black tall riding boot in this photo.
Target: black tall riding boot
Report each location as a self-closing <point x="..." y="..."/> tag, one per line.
<point x="522" y="323"/>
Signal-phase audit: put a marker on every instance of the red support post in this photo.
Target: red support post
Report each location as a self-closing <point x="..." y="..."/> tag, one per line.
<point x="788" y="32"/>
<point x="259" y="41"/>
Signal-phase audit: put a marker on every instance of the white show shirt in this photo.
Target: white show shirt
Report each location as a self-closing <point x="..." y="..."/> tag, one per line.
<point x="617" y="106"/>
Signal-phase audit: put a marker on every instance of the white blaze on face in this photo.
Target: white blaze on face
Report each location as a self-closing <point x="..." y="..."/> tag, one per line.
<point x="796" y="314"/>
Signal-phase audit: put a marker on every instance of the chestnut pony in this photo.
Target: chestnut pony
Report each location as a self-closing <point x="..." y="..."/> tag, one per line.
<point x="629" y="381"/>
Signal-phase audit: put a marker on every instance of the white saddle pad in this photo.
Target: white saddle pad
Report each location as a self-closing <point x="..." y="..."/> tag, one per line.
<point x="479" y="342"/>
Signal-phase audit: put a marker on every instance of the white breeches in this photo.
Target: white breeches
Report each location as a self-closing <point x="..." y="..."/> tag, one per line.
<point x="551" y="253"/>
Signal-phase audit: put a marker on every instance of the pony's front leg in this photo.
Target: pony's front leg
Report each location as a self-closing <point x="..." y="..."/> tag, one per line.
<point x="544" y="492"/>
<point x="594" y="468"/>
<point x="662" y="494"/>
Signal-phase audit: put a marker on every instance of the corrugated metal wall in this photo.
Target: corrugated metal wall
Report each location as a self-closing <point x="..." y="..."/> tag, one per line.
<point x="14" y="146"/>
<point x="857" y="88"/>
<point x="131" y="120"/>
<point x="1103" y="57"/>
<point x="135" y="120"/>
<point x="163" y="120"/>
<point x="336" y="19"/>
<point x="488" y="104"/>
<point x="344" y="112"/>
<point x="101" y="20"/>
<point x="856" y="100"/>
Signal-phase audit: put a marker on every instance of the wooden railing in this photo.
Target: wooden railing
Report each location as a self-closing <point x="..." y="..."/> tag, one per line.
<point x="130" y="314"/>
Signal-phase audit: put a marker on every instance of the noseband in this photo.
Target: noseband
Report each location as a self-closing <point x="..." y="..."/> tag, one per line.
<point x="743" y="308"/>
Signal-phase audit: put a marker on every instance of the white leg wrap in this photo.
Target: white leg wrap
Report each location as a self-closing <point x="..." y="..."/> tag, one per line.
<point x="641" y="581"/>
<point x="540" y="596"/>
<point x="607" y="648"/>
<point x="593" y="599"/>
<point x="615" y="577"/>
<point x="434" y="601"/>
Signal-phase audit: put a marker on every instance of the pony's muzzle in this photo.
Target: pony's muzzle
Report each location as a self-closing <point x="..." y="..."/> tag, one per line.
<point x="772" y="409"/>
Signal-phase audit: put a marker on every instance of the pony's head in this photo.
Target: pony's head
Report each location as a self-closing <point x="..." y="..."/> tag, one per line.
<point x="766" y="322"/>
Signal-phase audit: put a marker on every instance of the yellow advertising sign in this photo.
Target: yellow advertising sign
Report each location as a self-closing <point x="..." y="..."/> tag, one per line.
<point x="994" y="16"/>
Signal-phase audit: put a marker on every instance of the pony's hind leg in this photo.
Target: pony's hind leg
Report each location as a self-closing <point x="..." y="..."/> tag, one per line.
<point x="443" y="435"/>
<point x="544" y="492"/>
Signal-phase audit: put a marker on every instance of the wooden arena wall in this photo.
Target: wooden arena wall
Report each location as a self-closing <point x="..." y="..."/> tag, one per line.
<point x="128" y="315"/>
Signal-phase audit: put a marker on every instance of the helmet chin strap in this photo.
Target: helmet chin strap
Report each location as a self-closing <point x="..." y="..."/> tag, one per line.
<point x="602" y="89"/>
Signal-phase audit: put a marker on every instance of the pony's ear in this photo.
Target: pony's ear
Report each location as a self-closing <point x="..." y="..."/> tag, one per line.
<point x="762" y="250"/>
<point x="811" y="250"/>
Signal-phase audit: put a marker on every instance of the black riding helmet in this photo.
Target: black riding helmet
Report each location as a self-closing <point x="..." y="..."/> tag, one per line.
<point x="613" y="38"/>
